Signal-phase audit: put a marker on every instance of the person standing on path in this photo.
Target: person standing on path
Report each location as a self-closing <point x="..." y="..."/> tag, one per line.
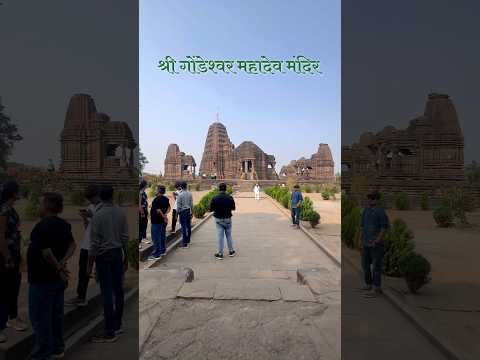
<point x="108" y="249"/>
<point x="159" y="211"/>
<point x="10" y="262"/>
<point x="51" y="246"/>
<point x="143" y="214"/>
<point x="174" y="211"/>
<point x="256" y="190"/>
<point x="222" y="206"/>
<point x="374" y="224"/>
<point x="185" y="213"/>
<point x="296" y="201"/>
<point x="93" y="197"/>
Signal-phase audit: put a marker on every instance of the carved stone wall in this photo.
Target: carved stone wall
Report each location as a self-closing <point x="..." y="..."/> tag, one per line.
<point x="94" y="148"/>
<point x="178" y="165"/>
<point x="428" y="154"/>
<point x="319" y="167"/>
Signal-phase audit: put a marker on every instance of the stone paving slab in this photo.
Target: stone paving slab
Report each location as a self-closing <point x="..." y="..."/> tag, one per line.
<point x="198" y="289"/>
<point x="292" y="292"/>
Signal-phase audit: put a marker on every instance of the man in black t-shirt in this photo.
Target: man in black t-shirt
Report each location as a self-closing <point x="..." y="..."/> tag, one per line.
<point x="222" y="206"/>
<point x="51" y="245"/>
<point x="158" y="218"/>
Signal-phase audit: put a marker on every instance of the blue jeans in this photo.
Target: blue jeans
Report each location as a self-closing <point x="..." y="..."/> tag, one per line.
<point x="159" y="238"/>
<point x="186" y="223"/>
<point x="45" y="307"/>
<point x="372" y="262"/>
<point x="296" y="216"/>
<point x="109" y="267"/>
<point x="224" y="228"/>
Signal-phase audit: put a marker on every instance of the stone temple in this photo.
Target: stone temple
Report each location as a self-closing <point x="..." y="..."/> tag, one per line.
<point x="427" y="155"/>
<point x="319" y="167"/>
<point x="96" y="149"/>
<point x="221" y="160"/>
<point x="178" y="165"/>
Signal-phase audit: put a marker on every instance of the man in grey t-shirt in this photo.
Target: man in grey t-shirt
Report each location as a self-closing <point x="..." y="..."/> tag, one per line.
<point x="185" y="212"/>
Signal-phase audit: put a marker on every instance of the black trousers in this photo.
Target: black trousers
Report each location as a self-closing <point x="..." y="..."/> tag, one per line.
<point x="83" y="277"/>
<point x="142" y="227"/>
<point x="174" y="219"/>
<point x="109" y="267"/>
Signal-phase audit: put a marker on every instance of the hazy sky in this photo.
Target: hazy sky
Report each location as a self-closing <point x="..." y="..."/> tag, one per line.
<point x="51" y="50"/>
<point x="287" y="115"/>
<point x="395" y="52"/>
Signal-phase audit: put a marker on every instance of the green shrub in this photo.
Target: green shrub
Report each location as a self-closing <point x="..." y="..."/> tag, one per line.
<point x="425" y="201"/>
<point x="285" y="200"/>
<point x="152" y="191"/>
<point x="199" y="211"/>
<point x="398" y="245"/>
<point x="32" y="209"/>
<point x="307" y="188"/>
<point x="306" y="208"/>
<point x="229" y="189"/>
<point x="402" y="201"/>
<point x="382" y="202"/>
<point x="318" y="188"/>
<point x="443" y="216"/>
<point x="326" y="195"/>
<point x="133" y="253"/>
<point x="313" y="218"/>
<point x="350" y="225"/>
<point x="348" y="204"/>
<point x="77" y="198"/>
<point x="171" y="187"/>
<point x="459" y="202"/>
<point x="416" y="270"/>
<point x="197" y="187"/>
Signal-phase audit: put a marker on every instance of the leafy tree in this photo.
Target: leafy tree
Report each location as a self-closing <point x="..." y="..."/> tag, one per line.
<point x="142" y="161"/>
<point x="8" y="136"/>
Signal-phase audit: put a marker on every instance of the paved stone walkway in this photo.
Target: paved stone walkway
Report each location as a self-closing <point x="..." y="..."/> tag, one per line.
<point x="372" y="329"/>
<point x="246" y="307"/>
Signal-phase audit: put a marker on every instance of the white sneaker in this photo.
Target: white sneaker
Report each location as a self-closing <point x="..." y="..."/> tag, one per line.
<point x="17" y="324"/>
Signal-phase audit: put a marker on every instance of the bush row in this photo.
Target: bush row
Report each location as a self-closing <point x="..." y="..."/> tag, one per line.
<point x="283" y="196"/>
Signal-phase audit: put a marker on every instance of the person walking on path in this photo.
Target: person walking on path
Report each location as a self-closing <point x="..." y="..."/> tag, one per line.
<point x="374" y="224"/>
<point x="256" y="190"/>
<point x="93" y="197"/>
<point x="143" y="214"/>
<point x="222" y="206"/>
<point x="159" y="211"/>
<point x="51" y="246"/>
<point x="174" y="211"/>
<point x="108" y="249"/>
<point x="185" y="213"/>
<point x="296" y="201"/>
<point x="10" y="261"/>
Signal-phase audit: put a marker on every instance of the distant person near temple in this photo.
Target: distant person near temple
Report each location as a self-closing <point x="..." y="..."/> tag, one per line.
<point x="374" y="224"/>
<point x="296" y="200"/>
<point x="222" y="206"/>
<point x="51" y="246"/>
<point x="143" y="214"/>
<point x="185" y="212"/>
<point x="158" y="213"/>
<point x="256" y="190"/>
<point x="108" y="250"/>
<point x="10" y="260"/>
<point x="93" y="197"/>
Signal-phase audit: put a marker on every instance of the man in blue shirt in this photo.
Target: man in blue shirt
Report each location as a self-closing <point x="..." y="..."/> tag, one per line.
<point x="374" y="224"/>
<point x="297" y="199"/>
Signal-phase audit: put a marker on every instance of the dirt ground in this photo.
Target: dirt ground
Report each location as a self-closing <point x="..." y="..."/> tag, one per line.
<point x="329" y="229"/>
<point x="451" y="251"/>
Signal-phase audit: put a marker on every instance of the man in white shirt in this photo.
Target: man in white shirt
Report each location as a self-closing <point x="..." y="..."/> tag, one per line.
<point x="92" y="195"/>
<point x="256" y="190"/>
